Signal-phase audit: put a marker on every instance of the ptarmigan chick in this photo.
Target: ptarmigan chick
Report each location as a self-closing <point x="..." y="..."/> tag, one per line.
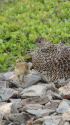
<point x="51" y="60"/>
<point x="21" y="69"/>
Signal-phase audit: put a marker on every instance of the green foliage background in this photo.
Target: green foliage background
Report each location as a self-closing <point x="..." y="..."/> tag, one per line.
<point x="22" y="21"/>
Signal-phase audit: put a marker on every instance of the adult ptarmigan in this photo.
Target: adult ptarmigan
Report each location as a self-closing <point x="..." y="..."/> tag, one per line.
<point x="51" y="60"/>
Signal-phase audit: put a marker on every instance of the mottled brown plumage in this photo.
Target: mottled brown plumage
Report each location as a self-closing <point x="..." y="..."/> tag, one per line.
<point x="51" y="60"/>
<point x="21" y="69"/>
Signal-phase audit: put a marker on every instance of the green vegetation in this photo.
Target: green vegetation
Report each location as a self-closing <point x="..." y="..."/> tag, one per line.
<point x="24" y="20"/>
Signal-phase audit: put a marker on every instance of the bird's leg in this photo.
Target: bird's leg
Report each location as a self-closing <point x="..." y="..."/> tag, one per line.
<point x="18" y="78"/>
<point x="22" y="78"/>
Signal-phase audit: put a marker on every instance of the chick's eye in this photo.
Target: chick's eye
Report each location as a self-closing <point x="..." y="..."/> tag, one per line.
<point x="18" y="61"/>
<point x="39" y="41"/>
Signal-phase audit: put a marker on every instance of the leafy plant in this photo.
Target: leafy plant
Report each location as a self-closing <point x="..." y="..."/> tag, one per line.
<point x="21" y="22"/>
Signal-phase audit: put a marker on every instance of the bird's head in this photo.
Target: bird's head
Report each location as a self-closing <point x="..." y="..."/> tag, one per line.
<point x="41" y="41"/>
<point x="19" y="60"/>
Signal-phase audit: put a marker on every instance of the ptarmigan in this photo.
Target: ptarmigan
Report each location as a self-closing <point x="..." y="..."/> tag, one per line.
<point x="51" y="60"/>
<point x="21" y="69"/>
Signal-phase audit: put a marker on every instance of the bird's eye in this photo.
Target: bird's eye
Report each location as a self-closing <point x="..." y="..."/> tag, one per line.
<point x="18" y="61"/>
<point x="39" y="41"/>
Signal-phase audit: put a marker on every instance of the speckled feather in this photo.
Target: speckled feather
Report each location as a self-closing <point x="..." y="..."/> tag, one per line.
<point x="51" y="60"/>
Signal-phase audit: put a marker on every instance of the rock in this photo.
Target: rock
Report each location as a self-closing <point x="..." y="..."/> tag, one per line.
<point x="35" y="90"/>
<point x="2" y="77"/>
<point x="66" y="115"/>
<point x="66" y="123"/>
<point x="6" y="75"/>
<point x="33" y="100"/>
<point x="0" y="100"/>
<point x="8" y="108"/>
<point x="20" y="102"/>
<point x="15" y="123"/>
<point x="53" y="104"/>
<point x="51" y="86"/>
<point x="66" y="95"/>
<point x="37" y="109"/>
<point x="30" y="121"/>
<point x="1" y="117"/>
<point x="33" y="106"/>
<point x="2" y="84"/>
<point x="63" y="106"/>
<point x="65" y="91"/>
<point x="47" y="119"/>
<point x="56" y="96"/>
<point x="63" y="123"/>
<point x="15" y="101"/>
<point x="52" y="121"/>
<point x="6" y="122"/>
<point x="23" y="124"/>
<point x="32" y="78"/>
<point x="7" y="93"/>
<point x="19" y="117"/>
<point x="10" y="84"/>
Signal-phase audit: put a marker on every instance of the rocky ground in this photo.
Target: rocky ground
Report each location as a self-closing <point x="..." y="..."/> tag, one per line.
<point x="34" y="102"/>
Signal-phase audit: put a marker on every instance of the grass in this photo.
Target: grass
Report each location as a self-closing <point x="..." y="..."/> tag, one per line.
<point x="23" y="21"/>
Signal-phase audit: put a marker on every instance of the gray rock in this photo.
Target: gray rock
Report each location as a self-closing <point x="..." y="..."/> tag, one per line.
<point x="41" y="112"/>
<point x="6" y="75"/>
<point x="34" y="90"/>
<point x="23" y="124"/>
<point x="29" y="80"/>
<point x="53" y="104"/>
<point x="19" y="117"/>
<point x="2" y="77"/>
<point x="43" y="101"/>
<point x="6" y="93"/>
<point x="8" y="108"/>
<point x="48" y="119"/>
<point x="1" y="117"/>
<point x="37" y="109"/>
<point x="2" y="84"/>
<point x="56" y="96"/>
<point x="52" y="120"/>
<point x="65" y="91"/>
<point x="15" y="101"/>
<point x="66" y="123"/>
<point x="14" y="123"/>
<point x="33" y="100"/>
<point x="33" y="106"/>
<point x="66" y="115"/>
<point x="0" y="100"/>
<point x="32" y="78"/>
<point x="63" y="106"/>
